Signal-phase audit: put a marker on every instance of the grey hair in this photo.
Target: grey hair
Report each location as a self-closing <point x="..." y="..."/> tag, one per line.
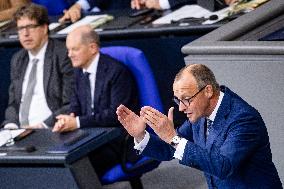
<point x="90" y="36"/>
<point x="202" y="74"/>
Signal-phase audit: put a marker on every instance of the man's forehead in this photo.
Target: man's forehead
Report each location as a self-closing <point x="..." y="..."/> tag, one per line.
<point x="26" y="19"/>
<point x="182" y="87"/>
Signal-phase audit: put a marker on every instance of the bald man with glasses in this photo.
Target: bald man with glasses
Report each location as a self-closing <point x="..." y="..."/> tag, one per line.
<point x="224" y="136"/>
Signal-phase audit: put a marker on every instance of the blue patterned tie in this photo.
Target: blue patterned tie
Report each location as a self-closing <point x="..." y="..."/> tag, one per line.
<point x="209" y="127"/>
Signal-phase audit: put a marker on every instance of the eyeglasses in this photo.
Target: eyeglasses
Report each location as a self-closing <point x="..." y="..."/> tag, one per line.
<point x="187" y="100"/>
<point x="29" y="27"/>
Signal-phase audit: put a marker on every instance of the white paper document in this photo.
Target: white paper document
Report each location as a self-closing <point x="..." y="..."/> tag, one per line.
<point x="53" y="25"/>
<point x="6" y="134"/>
<point x="86" y="20"/>
<point x="194" y="11"/>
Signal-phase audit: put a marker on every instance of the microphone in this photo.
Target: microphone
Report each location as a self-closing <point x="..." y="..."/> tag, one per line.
<point x="28" y="149"/>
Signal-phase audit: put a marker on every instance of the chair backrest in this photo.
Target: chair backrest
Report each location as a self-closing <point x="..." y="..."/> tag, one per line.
<point x="148" y="93"/>
<point x="136" y="61"/>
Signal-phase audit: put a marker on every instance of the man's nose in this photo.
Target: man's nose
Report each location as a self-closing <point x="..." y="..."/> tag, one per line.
<point x="181" y="107"/>
<point x="69" y="54"/>
<point x="25" y="31"/>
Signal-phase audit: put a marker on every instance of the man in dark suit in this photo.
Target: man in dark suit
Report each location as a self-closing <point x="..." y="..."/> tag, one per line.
<point x="74" y="12"/>
<point x="224" y="136"/>
<point x="102" y="84"/>
<point x="41" y="73"/>
<point x="168" y="4"/>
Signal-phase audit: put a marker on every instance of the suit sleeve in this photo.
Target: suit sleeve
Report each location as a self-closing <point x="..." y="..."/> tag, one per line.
<point x="102" y="4"/>
<point x="12" y="111"/>
<point x="122" y="90"/>
<point x="226" y="158"/>
<point x="67" y="82"/>
<point x="75" y="102"/>
<point x="177" y="3"/>
<point x="162" y="151"/>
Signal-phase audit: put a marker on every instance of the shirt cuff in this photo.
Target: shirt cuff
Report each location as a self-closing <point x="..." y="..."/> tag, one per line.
<point x="11" y="126"/>
<point x="84" y="4"/>
<point x="142" y="145"/>
<point x="78" y="122"/>
<point x="164" y="4"/>
<point x="180" y="149"/>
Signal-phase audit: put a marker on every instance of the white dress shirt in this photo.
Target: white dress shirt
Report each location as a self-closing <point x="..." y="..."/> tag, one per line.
<point x="92" y="69"/>
<point x="164" y="4"/>
<point x="181" y="146"/>
<point x="39" y="110"/>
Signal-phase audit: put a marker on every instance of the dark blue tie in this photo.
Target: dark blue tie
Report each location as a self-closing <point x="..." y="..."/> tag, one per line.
<point x="88" y="108"/>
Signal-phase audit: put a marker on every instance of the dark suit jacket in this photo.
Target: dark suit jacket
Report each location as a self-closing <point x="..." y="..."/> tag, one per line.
<point x="58" y="82"/>
<point x="178" y="3"/>
<point x="237" y="152"/>
<point x="208" y="4"/>
<point x="105" y="4"/>
<point x="114" y="86"/>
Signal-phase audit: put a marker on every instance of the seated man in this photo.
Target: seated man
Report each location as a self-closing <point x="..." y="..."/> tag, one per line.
<point x="41" y="73"/>
<point x="167" y="4"/>
<point x="102" y="84"/>
<point x="9" y="7"/>
<point x="74" y="12"/>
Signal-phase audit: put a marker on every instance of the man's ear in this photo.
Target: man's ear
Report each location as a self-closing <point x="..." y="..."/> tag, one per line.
<point x="46" y="29"/>
<point x="209" y="91"/>
<point x="94" y="47"/>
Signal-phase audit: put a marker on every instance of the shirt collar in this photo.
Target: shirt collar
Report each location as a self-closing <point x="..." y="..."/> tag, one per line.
<point x="213" y="114"/>
<point x="93" y="66"/>
<point x="40" y="54"/>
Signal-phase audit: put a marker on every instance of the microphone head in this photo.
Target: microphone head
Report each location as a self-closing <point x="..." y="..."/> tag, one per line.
<point x="213" y="17"/>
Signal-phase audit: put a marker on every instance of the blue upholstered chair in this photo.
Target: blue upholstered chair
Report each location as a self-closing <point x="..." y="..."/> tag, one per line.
<point x="137" y="63"/>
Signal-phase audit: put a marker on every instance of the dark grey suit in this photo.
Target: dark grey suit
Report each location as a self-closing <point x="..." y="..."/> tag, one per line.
<point x="57" y="78"/>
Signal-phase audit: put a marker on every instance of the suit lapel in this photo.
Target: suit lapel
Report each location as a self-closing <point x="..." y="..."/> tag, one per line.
<point x="220" y="120"/>
<point x="82" y="91"/>
<point x="22" y="71"/>
<point x="100" y="78"/>
<point x="47" y="65"/>
<point x="201" y="125"/>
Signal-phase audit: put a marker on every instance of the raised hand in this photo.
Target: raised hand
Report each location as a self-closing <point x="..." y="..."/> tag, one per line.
<point x="162" y="125"/>
<point x="134" y="124"/>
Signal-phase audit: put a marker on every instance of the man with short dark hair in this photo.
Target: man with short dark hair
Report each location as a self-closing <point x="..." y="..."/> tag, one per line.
<point x="41" y="73"/>
<point x="224" y="136"/>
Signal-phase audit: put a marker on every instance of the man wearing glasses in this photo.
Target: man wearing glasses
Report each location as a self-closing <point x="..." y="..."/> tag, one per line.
<point x="41" y="73"/>
<point x="224" y="136"/>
